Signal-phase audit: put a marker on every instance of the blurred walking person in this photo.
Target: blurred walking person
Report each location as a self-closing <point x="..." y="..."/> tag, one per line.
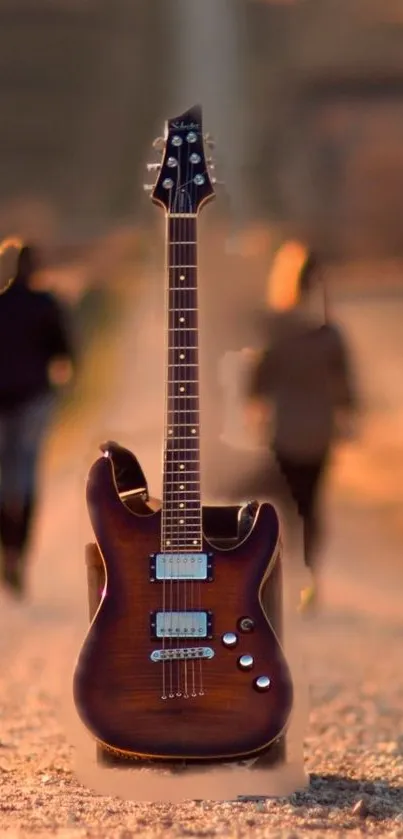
<point x="302" y="397"/>
<point x="36" y="357"/>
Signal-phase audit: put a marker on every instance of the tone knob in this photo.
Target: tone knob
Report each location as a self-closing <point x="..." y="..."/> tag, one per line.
<point x="246" y="625"/>
<point x="245" y="662"/>
<point x="229" y="639"/>
<point x="262" y="683"/>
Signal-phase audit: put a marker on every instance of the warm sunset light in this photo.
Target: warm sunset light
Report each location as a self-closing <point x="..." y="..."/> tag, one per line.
<point x="283" y="280"/>
<point x="7" y="244"/>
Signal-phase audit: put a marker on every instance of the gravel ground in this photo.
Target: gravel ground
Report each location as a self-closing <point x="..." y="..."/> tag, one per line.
<point x="353" y="648"/>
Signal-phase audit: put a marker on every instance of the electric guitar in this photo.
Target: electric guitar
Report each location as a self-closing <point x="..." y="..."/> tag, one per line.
<point x="180" y="662"/>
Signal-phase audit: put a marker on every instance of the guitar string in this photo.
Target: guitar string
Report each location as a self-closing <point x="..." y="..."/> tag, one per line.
<point x="177" y="342"/>
<point x="195" y="295"/>
<point x="164" y="458"/>
<point x="192" y="304"/>
<point x="188" y="388"/>
<point x="170" y="447"/>
<point x="198" y="430"/>
<point x="199" y="509"/>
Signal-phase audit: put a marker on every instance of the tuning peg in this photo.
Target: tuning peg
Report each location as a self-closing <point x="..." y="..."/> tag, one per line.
<point x="159" y="144"/>
<point x="211" y="166"/>
<point x="209" y="141"/>
<point x="216" y="182"/>
<point x="148" y="187"/>
<point x="153" y="167"/>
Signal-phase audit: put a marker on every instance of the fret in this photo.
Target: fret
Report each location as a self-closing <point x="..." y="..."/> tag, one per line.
<point x="191" y="438"/>
<point x="186" y="491"/>
<point x="183" y="396"/>
<point x="182" y="365"/>
<point x="172" y="491"/>
<point x="190" y="472"/>
<point x="178" y="265"/>
<point x="174" y="311"/>
<point x="185" y="424"/>
<point x="196" y="546"/>
<point x="172" y="484"/>
<point x="194" y="438"/>
<point x="196" y="505"/>
<point x="182" y="288"/>
<point x="181" y="215"/>
<point x="172" y="244"/>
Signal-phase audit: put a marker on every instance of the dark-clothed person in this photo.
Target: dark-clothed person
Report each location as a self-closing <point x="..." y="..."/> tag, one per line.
<point x="33" y="337"/>
<point x="304" y="379"/>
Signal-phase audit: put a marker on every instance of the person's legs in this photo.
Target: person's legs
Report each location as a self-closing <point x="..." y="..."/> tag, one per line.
<point x="22" y="431"/>
<point x="304" y="481"/>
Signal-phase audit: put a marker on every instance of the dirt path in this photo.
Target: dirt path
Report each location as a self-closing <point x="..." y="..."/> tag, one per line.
<point x="353" y="649"/>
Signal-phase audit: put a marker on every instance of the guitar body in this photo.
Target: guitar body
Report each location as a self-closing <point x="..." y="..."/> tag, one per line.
<point x="118" y="688"/>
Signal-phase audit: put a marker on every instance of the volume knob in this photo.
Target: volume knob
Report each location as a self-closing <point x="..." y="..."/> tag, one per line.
<point x="245" y="662"/>
<point x="229" y="639"/>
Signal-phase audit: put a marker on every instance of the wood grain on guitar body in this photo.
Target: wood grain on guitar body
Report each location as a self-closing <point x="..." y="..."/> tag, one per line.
<point x="180" y="662"/>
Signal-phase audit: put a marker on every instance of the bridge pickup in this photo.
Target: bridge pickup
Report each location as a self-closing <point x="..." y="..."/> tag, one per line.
<point x="181" y="566"/>
<point x="181" y="625"/>
<point x="182" y="654"/>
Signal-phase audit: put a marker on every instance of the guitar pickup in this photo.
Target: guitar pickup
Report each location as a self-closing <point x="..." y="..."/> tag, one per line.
<point x="181" y="624"/>
<point x="181" y="566"/>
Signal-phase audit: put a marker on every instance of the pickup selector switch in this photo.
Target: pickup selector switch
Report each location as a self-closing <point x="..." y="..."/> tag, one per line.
<point x="229" y="639"/>
<point x="246" y="625"/>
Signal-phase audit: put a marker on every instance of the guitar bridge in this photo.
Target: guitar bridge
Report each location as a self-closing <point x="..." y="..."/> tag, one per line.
<point x="182" y="654"/>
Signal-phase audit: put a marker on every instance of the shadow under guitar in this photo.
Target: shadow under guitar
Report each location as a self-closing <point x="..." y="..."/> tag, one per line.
<point x="224" y="526"/>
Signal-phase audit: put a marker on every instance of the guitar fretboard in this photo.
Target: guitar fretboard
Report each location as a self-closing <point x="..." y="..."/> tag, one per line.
<point x="181" y="511"/>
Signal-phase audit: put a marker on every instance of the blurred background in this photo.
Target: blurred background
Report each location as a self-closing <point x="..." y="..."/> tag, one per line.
<point x="305" y="101"/>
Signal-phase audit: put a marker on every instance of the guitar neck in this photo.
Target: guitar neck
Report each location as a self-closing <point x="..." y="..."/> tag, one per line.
<point x="181" y="510"/>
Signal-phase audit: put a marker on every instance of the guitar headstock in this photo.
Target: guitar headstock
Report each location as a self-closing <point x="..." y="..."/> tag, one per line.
<point x="183" y="183"/>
